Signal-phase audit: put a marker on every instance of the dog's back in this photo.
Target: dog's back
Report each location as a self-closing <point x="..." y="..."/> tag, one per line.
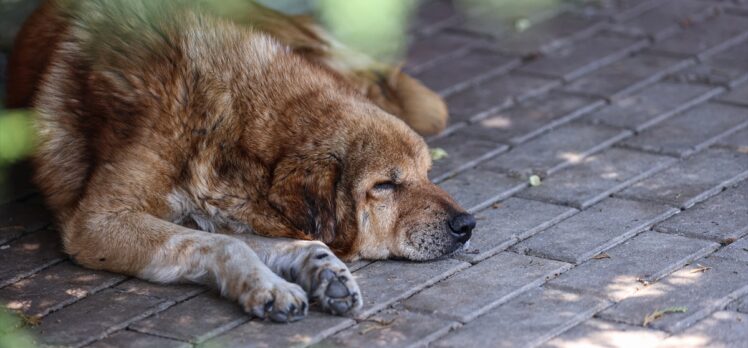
<point x="100" y="74"/>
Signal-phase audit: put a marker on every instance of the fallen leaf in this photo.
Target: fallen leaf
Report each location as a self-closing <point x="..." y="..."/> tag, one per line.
<point x="728" y="241"/>
<point x="438" y="153"/>
<point x="496" y="205"/>
<point x="700" y="269"/>
<point x="661" y="312"/>
<point x="535" y="180"/>
<point x="601" y="256"/>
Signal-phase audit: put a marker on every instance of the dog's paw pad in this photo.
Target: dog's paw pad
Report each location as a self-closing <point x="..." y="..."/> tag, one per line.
<point x="336" y="291"/>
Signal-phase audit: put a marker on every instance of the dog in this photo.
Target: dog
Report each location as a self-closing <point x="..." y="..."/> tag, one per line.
<point x="176" y="145"/>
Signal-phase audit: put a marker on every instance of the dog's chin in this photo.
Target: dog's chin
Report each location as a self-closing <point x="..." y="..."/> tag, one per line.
<point x="455" y="249"/>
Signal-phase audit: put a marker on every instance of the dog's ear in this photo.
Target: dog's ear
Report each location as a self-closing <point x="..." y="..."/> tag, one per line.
<point x="304" y="191"/>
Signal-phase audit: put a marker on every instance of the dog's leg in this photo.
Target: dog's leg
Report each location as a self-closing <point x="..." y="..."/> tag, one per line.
<point x="312" y="265"/>
<point x="142" y="245"/>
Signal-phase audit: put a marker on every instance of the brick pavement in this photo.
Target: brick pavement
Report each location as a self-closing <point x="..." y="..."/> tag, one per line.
<point x="635" y="115"/>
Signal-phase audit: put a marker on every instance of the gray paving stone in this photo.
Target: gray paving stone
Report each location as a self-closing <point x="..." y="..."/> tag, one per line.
<point x="626" y="75"/>
<point x="692" y="180"/>
<point x="597" y="177"/>
<point x="395" y="327"/>
<point x="134" y="339"/>
<point x="692" y="130"/>
<point x="652" y="105"/>
<point x="721" y="218"/>
<point x="726" y="68"/>
<point x="705" y="37"/>
<point x="455" y="73"/>
<point x="701" y="290"/>
<point x="526" y="321"/>
<point x="737" y="250"/>
<point x="721" y="329"/>
<point x="628" y="267"/>
<point x="476" y="290"/>
<point x="495" y="93"/>
<point x="532" y="117"/>
<point x="427" y="51"/>
<point x="617" y="9"/>
<point x="194" y="320"/>
<point x="545" y="35"/>
<point x="95" y="317"/>
<point x="262" y="334"/>
<point x="475" y="189"/>
<point x="739" y="95"/>
<point x="463" y="152"/>
<point x="29" y="254"/>
<point x="172" y="292"/>
<point x="385" y="282"/>
<point x="600" y="333"/>
<point x="28" y="214"/>
<point x="571" y="61"/>
<point x="738" y="141"/>
<point x="54" y="287"/>
<point x="552" y="151"/>
<point x="509" y="221"/>
<point x="668" y="17"/>
<point x="740" y="305"/>
<point x="598" y="228"/>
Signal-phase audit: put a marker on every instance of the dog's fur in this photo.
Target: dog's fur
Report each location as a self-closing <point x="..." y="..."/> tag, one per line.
<point x="160" y="122"/>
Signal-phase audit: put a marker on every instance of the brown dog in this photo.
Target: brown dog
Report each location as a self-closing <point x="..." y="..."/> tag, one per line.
<point x="158" y="123"/>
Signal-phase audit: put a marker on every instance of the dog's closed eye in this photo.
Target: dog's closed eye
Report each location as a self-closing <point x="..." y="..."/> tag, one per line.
<point x="384" y="186"/>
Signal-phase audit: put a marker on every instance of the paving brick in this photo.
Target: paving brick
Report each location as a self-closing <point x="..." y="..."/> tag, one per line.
<point x="668" y="17"/>
<point x="740" y="305"/>
<point x="701" y="290"/>
<point x="597" y="177"/>
<point x="172" y="292"/>
<point x="552" y="151"/>
<point x="727" y="68"/>
<point x="396" y="327"/>
<point x="424" y="52"/>
<point x="486" y="285"/>
<point x="598" y="228"/>
<point x="262" y="334"/>
<point x="627" y="267"/>
<point x="194" y="320"/>
<point x="495" y="93"/>
<point x="626" y="75"/>
<point x="572" y="61"/>
<point x="358" y="264"/>
<point x="705" y="37"/>
<point x="134" y="339"/>
<point x="721" y="329"/>
<point x="738" y="95"/>
<point x="29" y="215"/>
<point x="525" y="321"/>
<point x="95" y="317"/>
<point x="723" y="217"/>
<point x="617" y="9"/>
<point x="55" y="287"/>
<point x="475" y="189"/>
<point x="599" y="333"/>
<point x="385" y="282"/>
<point x="692" y="130"/>
<point x="505" y="223"/>
<point x="545" y="35"/>
<point x="692" y="180"/>
<point x="738" y="141"/>
<point x="463" y="152"/>
<point x="652" y="105"/>
<point x="432" y="15"/>
<point x="737" y="250"/>
<point x="457" y="72"/>
<point x="29" y="254"/>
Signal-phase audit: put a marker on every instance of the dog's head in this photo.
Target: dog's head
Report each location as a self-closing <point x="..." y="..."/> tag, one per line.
<point x="367" y="193"/>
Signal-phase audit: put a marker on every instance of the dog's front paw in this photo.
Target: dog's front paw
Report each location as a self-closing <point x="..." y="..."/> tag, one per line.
<point x="332" y="284"/>
<point x="275" y="299"/>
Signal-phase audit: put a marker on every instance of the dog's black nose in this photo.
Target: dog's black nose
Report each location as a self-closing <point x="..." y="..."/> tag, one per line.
<point x="462" y="226"/>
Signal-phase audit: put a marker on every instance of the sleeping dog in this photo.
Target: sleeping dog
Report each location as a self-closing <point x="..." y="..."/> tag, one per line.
<point x="179" y="145"/>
